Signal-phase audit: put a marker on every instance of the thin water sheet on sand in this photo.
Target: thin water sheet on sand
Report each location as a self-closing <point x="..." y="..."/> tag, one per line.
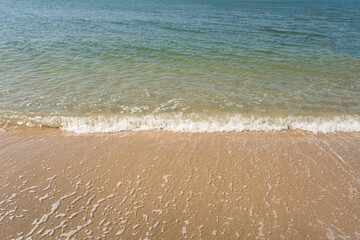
<point x="162" y="185"/>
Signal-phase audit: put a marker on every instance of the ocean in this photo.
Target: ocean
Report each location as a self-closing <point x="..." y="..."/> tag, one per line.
<point x="185" y="66"/>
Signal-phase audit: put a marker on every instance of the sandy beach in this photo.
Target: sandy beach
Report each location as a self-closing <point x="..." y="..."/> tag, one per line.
<point x="179" y="119"/>
<point x="162" y="185"/>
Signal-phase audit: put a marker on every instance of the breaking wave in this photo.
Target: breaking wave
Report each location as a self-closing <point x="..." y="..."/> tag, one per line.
<point x="193" y="123"/>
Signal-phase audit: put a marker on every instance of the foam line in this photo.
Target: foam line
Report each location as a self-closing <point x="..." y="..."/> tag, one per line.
<point x="196" y="123"/>
<point x="237" y="123"/>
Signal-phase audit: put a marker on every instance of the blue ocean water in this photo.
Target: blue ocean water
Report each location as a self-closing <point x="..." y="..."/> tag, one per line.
<point x="100" y="66"/>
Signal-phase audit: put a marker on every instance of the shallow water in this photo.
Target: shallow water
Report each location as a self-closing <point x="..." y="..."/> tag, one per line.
<point x="107" y="66"/>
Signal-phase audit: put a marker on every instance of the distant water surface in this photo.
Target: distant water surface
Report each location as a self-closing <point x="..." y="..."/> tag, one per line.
<point x="107" y="66"/>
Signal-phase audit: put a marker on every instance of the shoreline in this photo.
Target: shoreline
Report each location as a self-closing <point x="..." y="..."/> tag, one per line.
<point x="177" y="122"/>
<point x="155" y="184"/>
<point x="11" y="127"/>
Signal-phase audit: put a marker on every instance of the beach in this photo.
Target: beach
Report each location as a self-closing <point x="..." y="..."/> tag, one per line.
<point x="166" y="185"/>
<point x="161" y="119"/>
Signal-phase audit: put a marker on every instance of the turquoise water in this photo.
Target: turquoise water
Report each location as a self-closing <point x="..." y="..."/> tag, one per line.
<point x="107" y="66"/>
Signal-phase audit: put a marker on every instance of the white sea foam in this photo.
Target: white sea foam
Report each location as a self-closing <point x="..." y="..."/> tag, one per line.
<point x="237" y="123"/>
<point x="198" y="123"/>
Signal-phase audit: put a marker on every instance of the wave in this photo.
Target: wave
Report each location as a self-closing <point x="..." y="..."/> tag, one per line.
<point x="195" y="123"/>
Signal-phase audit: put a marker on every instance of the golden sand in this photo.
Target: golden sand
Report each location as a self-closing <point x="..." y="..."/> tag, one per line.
<point x="160" y="185"/>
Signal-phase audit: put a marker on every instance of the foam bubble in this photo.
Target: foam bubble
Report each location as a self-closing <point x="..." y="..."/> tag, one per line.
<point x="176" y="122"/>
<point x="237" y="123"/>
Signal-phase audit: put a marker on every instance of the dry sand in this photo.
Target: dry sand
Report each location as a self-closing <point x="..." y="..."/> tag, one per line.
<point x="160" y="185"/>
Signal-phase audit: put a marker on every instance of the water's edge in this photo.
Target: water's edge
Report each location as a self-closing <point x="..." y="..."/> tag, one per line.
<point x="194" y="123"/>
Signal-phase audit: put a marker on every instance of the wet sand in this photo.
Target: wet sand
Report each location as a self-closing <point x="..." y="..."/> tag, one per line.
<point x="161" y="185"/>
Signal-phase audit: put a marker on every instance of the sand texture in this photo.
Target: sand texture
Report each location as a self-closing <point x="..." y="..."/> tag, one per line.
<point x="161" y="185"/>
